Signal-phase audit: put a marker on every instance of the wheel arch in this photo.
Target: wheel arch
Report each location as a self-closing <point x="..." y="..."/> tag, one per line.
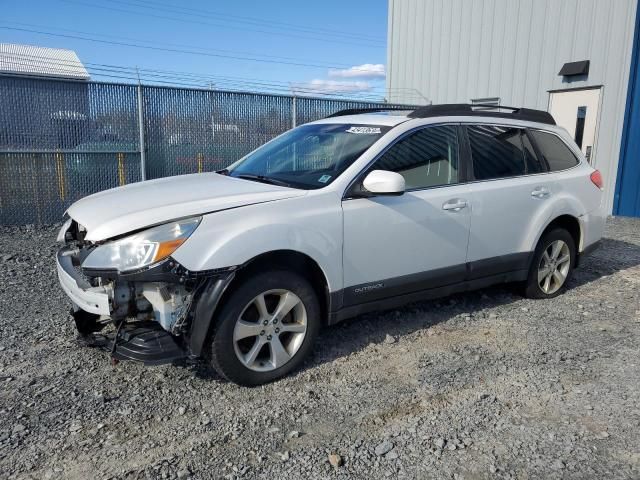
<point x="285" y="259"/>
<point x="569" y="223"/>
<point x="214" y="298"/>
<point x="294" y="261"/>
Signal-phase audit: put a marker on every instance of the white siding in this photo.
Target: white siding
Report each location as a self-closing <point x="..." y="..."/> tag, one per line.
<point x="452" y="51"/>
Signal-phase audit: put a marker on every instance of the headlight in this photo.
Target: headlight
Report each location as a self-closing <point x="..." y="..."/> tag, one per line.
<point x="142" y="249"/>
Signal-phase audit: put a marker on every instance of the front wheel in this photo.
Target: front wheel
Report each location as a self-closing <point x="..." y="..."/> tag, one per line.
<point x="552" y="265"/>
<point x="265" y="329"/>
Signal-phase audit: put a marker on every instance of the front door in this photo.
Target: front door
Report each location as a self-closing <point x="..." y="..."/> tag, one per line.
<point x="578" y="112"/>
<point x="395" y="245"/>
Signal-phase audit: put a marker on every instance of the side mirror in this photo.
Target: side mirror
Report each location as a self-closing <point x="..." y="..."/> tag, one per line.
<point x="384" y="182"/>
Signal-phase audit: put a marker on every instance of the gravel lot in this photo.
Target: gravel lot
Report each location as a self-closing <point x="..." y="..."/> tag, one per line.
<point x="484" y="385"/>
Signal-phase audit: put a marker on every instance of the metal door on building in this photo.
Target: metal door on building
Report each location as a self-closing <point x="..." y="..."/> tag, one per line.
<point x="578" y="111"/>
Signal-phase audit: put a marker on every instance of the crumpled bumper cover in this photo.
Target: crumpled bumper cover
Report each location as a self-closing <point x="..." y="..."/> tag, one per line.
<point x="141" y="340"/>
<point x="84" y="296"/>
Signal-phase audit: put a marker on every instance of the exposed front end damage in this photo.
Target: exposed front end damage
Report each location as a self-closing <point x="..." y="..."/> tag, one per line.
<point x="152" y="310"/>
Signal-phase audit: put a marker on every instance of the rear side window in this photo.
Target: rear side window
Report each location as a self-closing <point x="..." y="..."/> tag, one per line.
<point x="554" y="151"/>
<point x="501" y="152"/>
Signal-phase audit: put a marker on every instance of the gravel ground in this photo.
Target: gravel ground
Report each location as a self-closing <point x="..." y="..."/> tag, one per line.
<point x="484" y="385"/>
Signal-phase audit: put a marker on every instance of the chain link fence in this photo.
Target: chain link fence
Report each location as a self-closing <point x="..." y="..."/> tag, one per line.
<point x="63" y="140"/>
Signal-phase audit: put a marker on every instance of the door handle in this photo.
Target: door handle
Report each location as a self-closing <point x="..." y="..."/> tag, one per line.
<point x="455" y="205"/>
<point x="540" y="192"/>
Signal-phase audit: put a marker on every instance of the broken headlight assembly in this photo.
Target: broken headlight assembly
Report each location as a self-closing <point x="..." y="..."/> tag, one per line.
<point x="141" y="249"/>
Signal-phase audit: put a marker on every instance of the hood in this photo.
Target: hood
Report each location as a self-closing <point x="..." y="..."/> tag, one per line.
<point x="124" y="209"/>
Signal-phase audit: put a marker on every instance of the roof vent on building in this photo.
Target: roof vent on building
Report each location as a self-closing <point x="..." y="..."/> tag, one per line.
<point x="492" y="101"/>
<point x="572" y="69"/>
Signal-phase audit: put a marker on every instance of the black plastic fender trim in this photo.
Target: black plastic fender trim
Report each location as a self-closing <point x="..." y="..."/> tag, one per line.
<point x="205" y="308"/>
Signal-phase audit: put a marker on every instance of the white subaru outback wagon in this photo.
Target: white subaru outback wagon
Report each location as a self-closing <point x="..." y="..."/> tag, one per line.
<point x="361" y="211"/>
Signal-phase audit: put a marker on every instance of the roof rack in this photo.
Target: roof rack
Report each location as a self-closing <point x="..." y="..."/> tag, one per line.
<point x="482" y="110"/>
<point x="357" y="111"/>
<point x="460" y="110"/>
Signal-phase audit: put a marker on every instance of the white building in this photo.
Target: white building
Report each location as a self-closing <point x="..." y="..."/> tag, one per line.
<point x="44" y="62"/>
<point x="576" y="58"/>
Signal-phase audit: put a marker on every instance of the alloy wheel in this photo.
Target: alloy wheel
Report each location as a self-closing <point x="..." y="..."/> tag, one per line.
<point x="554" y="267"/>
<point x="270" y="330"/>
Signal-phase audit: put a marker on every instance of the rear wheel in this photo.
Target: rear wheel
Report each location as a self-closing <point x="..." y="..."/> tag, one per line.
<point x="552" y="265"/>
<point x="265" y="329"/>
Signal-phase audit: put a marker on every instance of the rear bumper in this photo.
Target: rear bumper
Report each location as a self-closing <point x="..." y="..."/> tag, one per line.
<point x="592" y="226"/>
<point x="94" y="300"/>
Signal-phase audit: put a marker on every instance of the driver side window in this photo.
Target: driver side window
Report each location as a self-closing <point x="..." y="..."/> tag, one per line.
<point x="426" y="158"/>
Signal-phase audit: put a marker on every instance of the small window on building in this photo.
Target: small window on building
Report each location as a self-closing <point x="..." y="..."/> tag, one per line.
<point x="501" y="152"/>
<point x="556" y="153"/>
<point x="580" y="118"/>
<point x="427" y="158"/>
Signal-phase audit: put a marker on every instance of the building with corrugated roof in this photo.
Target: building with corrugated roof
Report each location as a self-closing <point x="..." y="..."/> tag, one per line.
<point x="27" y="102"/>
<point x="33" y="61"/>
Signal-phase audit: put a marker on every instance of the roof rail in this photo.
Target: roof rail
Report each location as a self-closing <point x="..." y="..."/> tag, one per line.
<point x="482" y="110"/>
<point x="356" y="111"/>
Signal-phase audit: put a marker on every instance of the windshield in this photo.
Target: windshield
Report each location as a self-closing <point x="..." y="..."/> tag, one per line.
<point x="310" y="156"/>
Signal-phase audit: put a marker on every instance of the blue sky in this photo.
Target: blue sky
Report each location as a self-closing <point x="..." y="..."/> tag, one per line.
<point x="333" y="35"/>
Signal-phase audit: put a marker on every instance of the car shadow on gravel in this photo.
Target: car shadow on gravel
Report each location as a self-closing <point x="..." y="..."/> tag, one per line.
<point x="359" y="332"/>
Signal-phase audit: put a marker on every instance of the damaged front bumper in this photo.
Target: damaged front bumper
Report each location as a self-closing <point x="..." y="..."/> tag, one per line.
<point x="94" y="300"/>
<point x="161" y="314"/>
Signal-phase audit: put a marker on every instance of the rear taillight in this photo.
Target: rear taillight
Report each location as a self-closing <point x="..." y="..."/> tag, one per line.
<point x="596" y="179"/>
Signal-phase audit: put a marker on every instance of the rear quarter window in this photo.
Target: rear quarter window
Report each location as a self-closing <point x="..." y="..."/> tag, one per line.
<point x="556" y="153"/>
<point x="501" y="152"/>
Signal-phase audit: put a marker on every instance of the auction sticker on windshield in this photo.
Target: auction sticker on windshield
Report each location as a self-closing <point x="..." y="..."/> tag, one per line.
<point x="365" y="130"/>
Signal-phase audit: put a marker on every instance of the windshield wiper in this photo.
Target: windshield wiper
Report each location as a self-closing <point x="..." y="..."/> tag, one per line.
<point x="224" y="171"/>
<point x="262" y="179"/>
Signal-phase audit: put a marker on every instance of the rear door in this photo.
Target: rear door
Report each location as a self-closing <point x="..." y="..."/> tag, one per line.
<point x="510" y="194"/>
<point x="571" y="181"/>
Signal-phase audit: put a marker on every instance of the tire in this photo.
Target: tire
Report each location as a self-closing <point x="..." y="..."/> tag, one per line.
<point x="539" y="285"/>
<point x="245" y="346"/>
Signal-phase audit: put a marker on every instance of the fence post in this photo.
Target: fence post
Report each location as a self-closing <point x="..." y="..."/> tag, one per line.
<point x="143" y="159"/>
<point x="61" y="174"/>
<point x="200" y="158"/>
<point x="294" y="111"/>
<point x="122" y="177"/>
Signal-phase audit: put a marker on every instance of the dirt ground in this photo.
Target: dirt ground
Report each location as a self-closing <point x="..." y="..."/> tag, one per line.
<point x="481" y="385"/>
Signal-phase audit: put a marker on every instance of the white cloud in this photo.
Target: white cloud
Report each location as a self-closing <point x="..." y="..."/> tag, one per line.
<point x="366" y="71"/>
<point x="356" y="79"/>
<point x="332" y="86"/>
